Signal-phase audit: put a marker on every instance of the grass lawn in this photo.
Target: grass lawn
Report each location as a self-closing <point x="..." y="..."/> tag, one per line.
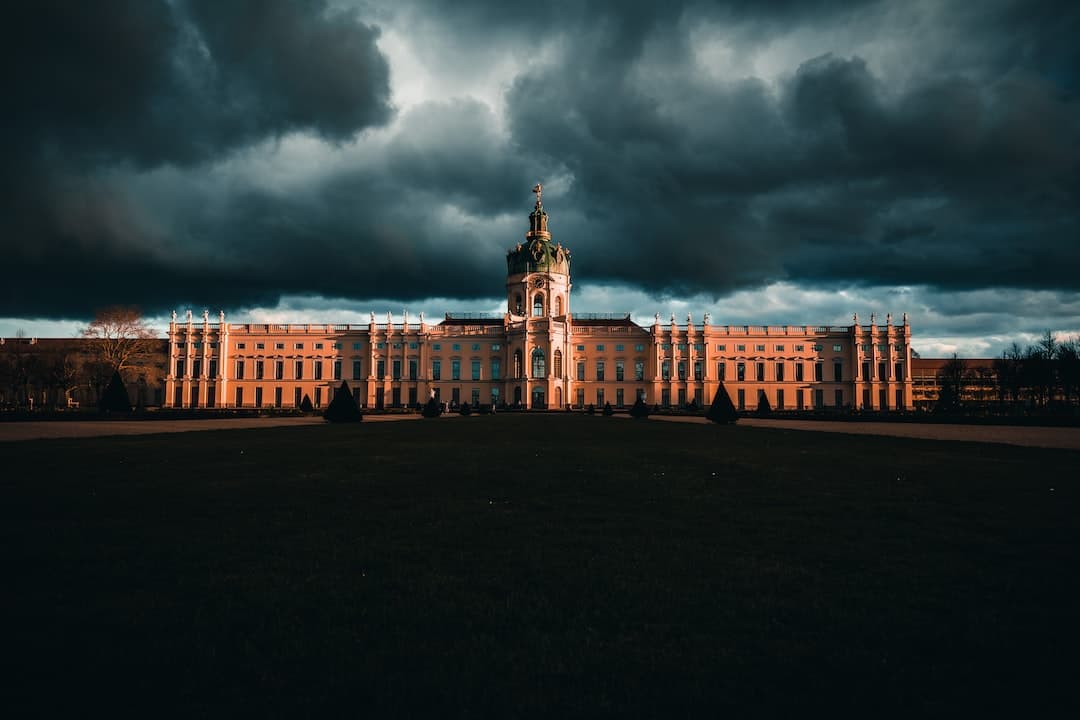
<point x="544" y="566"/>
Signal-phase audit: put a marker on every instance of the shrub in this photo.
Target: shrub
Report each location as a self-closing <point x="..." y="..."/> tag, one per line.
<point x="763" y="406"/>
<point x="343" y="407"/>
<point x="465" y="409"/>
<point x="115" y="398"/>
<point x="305" y="405"/>
<point x="432" y="408"/>
<point x="591" y="410"/>
<point x="722" y="409"/>
<point x="639" y="409"/>
<point x="608" y="410"/>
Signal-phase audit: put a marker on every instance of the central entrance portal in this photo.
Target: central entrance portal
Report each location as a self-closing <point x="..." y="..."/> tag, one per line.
<point x="538" y="402"/>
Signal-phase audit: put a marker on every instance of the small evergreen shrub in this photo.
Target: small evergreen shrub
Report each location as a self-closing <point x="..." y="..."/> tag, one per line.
<point x="115" y="398"/>
<point x="343" y="407"/>
<point x="591" y="410"/>
<point x="465" y="409"/>
<point x="306" y="406"/>
<point x="432" y="408"/>
<point x="608" y="409"/>
<point x="722" y="409"/>
<point x="639" y="410"/>
<point x="763" y="406"/>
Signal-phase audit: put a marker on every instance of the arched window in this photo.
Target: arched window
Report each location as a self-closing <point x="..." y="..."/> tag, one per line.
<point x="517" y="309"/>
<point x="558" y="305"/>
<point x="517" y="363"/>
<point x="557" y="362"/>
<point x="538" y="305"/>
<point x="539" y="369"/>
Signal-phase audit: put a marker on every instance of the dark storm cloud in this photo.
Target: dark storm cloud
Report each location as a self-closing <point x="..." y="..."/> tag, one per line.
<point x="954" y="163"/>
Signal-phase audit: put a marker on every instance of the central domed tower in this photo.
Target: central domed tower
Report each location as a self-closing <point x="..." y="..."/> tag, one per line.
<point x="537" y="272"/>
<point x="538" y="313"/>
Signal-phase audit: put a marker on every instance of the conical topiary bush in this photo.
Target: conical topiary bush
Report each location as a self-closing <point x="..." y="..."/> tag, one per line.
<point x="115" y="398"/>
<point x="639" y="409"/>
<point x="722" y="409"/>
<point x="343" y="408"/>
<point x="305" y="405"/>
<point x="763" y="406"/>
<point x="432" y="408"/>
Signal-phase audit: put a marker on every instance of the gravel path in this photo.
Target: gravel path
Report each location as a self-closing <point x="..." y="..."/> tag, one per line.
<point x="18" y="431"/>
<point x="1048" y="437"/>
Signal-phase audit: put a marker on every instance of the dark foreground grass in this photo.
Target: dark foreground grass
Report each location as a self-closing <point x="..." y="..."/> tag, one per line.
<point x="537" y="566"/>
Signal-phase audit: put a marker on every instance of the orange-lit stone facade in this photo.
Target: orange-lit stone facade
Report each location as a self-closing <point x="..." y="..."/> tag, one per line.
<point x="539" y="354"/>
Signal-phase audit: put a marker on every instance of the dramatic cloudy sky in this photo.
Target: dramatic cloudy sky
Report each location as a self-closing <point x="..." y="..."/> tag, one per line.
<point x="768" y="162"/>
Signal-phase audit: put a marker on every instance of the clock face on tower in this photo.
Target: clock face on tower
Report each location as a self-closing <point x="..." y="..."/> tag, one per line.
<point x="538" y="282"/>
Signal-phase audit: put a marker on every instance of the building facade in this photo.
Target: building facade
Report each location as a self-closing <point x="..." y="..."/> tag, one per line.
<point x="539" y="354"/>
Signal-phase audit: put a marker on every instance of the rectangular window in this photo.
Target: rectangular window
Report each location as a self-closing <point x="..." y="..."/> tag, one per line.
<point x="759" y="371"/>
<point x="495" y="347"/>
<point x="213" y="367"/>
<point x="798" y="372"/>
<point x="395" y="368"/>
<point x="898" y="374"/>
<point x="181" y="368"/>
<point x="476" y="373"/>
<point x="581" y="348"/>
<point x="740" y="372"/>
<point x="279" y="346"/>
<point x="778" y="348"/>
<point x="476" y="348"/>
<point x="665" y="370"/>
<point x="639" y="369"/>
<point x="599" y="369"/>
<point x="436" y="369"/>
<point x="780" y="399"/>
<point x="742" y="399"/>
<point x="279" y="369"/>
<point x="581" y="371"/>
<point x="682" y="370"/>
<point x="619" y="401"/>
<point x="455" y="369"/>
<point x="318" y="397"/>
<point x="618" y="348"/>
<point x="413" y="368"/>
<point x="259" y="367"/>
<point x="839" y="398"/>
<point x="436" y="346"/>
<point x="337" y="369"/>
<point x="260" y="346"/>
<point x="837" y="348"/>
<point x="496" y="369"/>
<point x="475" y="397"/>
<point x="721" y="371"/>
<point x="299" y="370"/>
<point x="740" y="348"/>
<point x="639" y="348"/>
<point x="866" y="372"/>
<point x="600" y="348"/>
<point x="336" y="346"/>
<point x="356" y="370"/>
<point x="455" y="395"/>
<point x="356" y="346"/>
<point x="838" y="372"/>
<point x="380" y="369"/>
<point x="800" y="348"/>
<point x="239" y="396"/>
<point x="296" y="397"/>
<point x="682" y="396"/>
<point x="721" y="348"/>
<point x="798" y="399"/>
<point x="494" y="395"/>
<point x="619" y="370"/>
<point x="819" y="372"/>
<point x="239" y="369"/>
<point x="819" y="398"/>
<point x="318" y="369"/>
<point x="759" y="348"/>
<point x="395" y="397"/>
<point x="779" y="372"/>
<point x="277" y="397"/>
<point x="298" y="346"/>
<point x="665" y="397"/>
<point x="698" y="370"/>
<point x="241" y="346"/>
<point x="318" y="346"/>
<point x="456" y="347"/>
<point x="883" y="371"/>
<point x="581" y="397"/>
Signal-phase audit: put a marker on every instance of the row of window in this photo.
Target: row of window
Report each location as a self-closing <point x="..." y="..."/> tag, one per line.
<point x="819" y="371"/>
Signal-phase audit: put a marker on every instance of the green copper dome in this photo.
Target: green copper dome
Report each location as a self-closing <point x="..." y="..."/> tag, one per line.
<point x="537" y="254"/>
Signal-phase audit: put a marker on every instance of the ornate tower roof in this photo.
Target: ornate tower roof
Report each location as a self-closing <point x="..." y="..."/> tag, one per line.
<point x="537" y="254"/>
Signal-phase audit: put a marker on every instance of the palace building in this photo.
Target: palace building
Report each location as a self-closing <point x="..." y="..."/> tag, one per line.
<point x="538" y="354"/>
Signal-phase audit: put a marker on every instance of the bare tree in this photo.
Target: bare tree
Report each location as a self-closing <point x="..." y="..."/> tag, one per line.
<point x="118" y="337"/>
<point x="953" y="379"/>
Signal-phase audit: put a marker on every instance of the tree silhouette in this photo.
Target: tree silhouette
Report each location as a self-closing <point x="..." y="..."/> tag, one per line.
<point x="343" y="408"/>
<point x="115" y="398"/>
<point x="722" y="409"/>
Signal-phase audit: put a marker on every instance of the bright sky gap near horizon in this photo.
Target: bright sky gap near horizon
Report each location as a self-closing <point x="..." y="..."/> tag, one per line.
<point x="768" y="163"/>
